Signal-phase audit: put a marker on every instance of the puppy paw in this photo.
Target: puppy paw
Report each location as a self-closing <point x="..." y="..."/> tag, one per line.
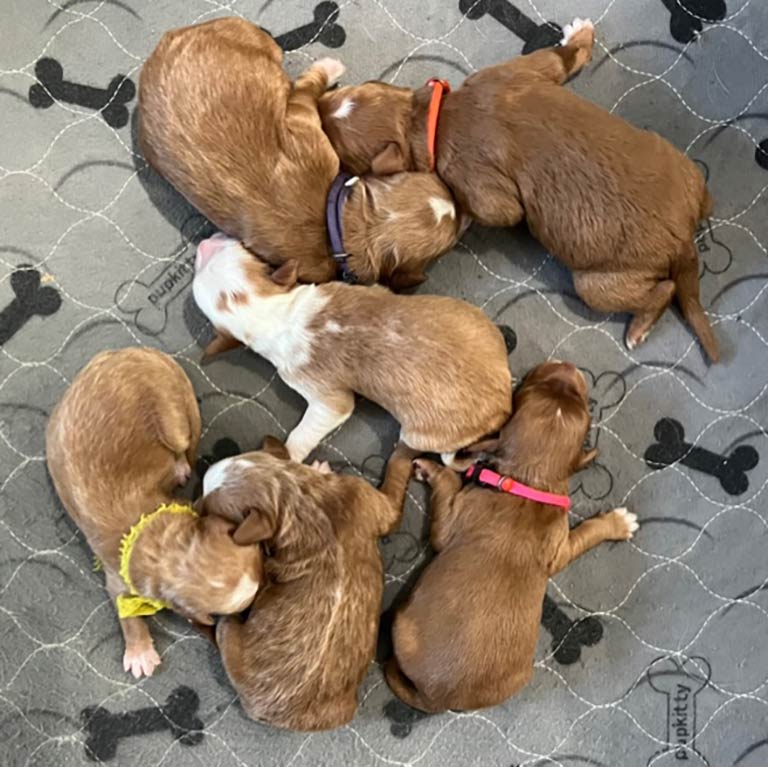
<point x="425" y="470"/>
<point x="623" y="524"/>
<point x="141" y="660"/>
<point x="322" y="466"/>
<point x="580" y="32"/>
<point x="333" y="69"/>
<point x="636" y="339"/>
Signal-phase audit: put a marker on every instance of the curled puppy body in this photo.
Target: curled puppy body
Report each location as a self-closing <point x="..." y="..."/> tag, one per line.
<point x="438" y="365"/>
<point x="467" y="636"/>
<point x="310" y="635"/>
<point x="220" y="119"/>
<point x="120" y="441"/>
<point x="618" y="205"/>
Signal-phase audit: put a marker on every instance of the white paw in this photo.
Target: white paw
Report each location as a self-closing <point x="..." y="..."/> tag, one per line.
<point x="141" y="661"/>
<point x="627" y="523"/>
<point x="334" y="69"/>
<point x="633" y="343"/>
<point x="569" y="30"/>
<point x="322" y="466"/>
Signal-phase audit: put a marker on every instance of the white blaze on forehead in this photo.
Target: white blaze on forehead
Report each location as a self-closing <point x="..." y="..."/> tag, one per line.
<point x="243" y="593"/>
<point x="344" y="109"/>
<point x="223" y="472"/>
<point x="441" y="207"/>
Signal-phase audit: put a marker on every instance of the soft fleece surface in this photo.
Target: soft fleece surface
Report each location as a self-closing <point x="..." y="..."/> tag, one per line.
<point x="652" y="652"/>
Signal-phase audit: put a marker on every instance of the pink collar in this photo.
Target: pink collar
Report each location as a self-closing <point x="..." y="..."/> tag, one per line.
<point x="484" y="476"/>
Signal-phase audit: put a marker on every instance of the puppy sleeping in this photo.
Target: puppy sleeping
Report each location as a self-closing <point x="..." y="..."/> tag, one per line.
<point x="298" y="659"/>
<point x="438" y="365"/>
<point x="119" y="442"/>
<point x="466" y="637"/>
<point x="219" y="118"/>
<point x="618" y="205"/>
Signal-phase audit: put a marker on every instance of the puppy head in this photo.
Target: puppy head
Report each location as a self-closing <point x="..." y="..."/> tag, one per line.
<point x="228" y="281"/>
<point x="368" y="126"/>
<point x="549" y="425"/>
<point x="401" y="223"/>
<point x="217" y="576"/>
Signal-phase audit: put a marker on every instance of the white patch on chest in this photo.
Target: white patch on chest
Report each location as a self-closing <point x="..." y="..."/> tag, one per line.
<point x="441" y="207"/>
<point x="344" y="109"/>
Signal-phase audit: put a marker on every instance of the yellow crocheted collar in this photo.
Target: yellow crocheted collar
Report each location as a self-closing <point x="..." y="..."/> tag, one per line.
<point x="132" y="605"/>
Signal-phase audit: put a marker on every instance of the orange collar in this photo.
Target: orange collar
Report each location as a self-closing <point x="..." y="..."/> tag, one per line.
<point x="439" y="89"/>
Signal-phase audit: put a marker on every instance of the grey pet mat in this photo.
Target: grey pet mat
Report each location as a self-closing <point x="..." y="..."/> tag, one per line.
<point x="651" y="652"/>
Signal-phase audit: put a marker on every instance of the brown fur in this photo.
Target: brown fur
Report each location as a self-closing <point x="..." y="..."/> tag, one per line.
<point x="618" y="205"/>
<point x="299" y="658"/>
<point x="121" y="439"/>
<point x="466" y="637"/>
<point x="220" y="119"/>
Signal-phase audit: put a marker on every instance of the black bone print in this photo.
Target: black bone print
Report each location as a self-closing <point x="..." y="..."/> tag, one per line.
<point x="687" y="17"/>
<point x="401" y="717"/>
<point x="30" y="300"/>
<point x="510" y="337"/>
<point x="222" y="448"/>
<point x="714" y="255"/>
<point x="323" y="29"/>
<point x="534" y="35"/>
<point x="105" y="729"/>
<point x="110" y="102"/>
<point x="761" y="154"/>
<point x="569" y="636"/>
<point x="671" y="447"/>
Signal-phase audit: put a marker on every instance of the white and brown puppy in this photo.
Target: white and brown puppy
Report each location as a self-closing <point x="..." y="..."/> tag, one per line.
<point x="119" y="442"/>
<point x="437" y="364"/>
<point x="221" y="120"/>
<point x="298" y="659"/>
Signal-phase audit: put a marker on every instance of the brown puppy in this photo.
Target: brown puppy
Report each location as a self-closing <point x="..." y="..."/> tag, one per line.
<point x="439" y="365"/>
<point x="467" y="636"/>
<point x="121" y="439"/>
<point x="616" y="204"/>
<point x="220" y="119"/>
<point x="310" y="636"/>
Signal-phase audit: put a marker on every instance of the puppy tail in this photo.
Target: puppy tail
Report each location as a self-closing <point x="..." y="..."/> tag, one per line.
<point x="404" y="688"/>
<point x="685" y="274"/>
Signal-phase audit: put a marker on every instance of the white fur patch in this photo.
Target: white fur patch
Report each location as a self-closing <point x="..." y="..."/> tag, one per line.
<point x="333" y="327"/>
<point x="441" y="207"/>
<point x="221" y="473"/>
<point x="569" y="30"/>
<point x="344" y="109"/>
<point x="242" y="595"/>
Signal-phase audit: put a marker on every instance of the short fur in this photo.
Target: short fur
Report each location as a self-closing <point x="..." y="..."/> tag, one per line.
<point x="310" y="636"/>
<point x="121" y="439"/>
<point x="466" y="638"/>
<point x="618" y="205"/>
<point x="438" y="365"/>
<point x="220" y="119"/>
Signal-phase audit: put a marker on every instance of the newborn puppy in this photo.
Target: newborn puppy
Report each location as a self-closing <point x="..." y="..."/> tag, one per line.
<point x="119" y="442"/>
<point x="467" y="635"/>
<point x="616" y="204"/>
<point x="298" y="659"/>
<point x="219" y="118"/>
<point x="438" y="365"/>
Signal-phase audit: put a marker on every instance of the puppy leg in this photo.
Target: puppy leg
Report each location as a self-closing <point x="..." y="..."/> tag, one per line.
<point x="320" y="418"/>
<point x="658" y="300"/>
<point x="140" y="657"/>
<point x="616" y="525"/>
<point x="309" y="86"/>
<point x="445" y="485"/>
<point x="404" y="689"/>
<point x="394" y="487"/>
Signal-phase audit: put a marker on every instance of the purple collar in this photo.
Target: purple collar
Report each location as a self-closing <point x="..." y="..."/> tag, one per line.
<point x="334" y="207"/>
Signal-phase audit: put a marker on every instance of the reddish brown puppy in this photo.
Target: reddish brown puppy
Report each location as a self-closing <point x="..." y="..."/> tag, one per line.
<point x="616" y="204"/>
<point x="467" y="636"/>
<point x="219" y="118"/>
<point x="298" y="659"/>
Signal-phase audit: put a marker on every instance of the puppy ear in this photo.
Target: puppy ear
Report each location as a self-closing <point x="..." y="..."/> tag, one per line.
<point x="256" y="527"/>
<point x="222" y="342"/>
<point x="275" y="447"/>
<point x="390" y="160"/>
<point x="287" y="274"/>
<point x="401" y="279"/>
<point x="586" y="458"/>
<point x="484" y="446"/>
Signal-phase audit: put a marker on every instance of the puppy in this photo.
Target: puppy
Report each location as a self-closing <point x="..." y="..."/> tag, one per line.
<point x="298" y="659"/>
<point x="438" y="365"/>
<point x="616" y="204"/>
<point x="121" y="439"/>
<point x="219" y="118"/>
<point x="467" y="635"/>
